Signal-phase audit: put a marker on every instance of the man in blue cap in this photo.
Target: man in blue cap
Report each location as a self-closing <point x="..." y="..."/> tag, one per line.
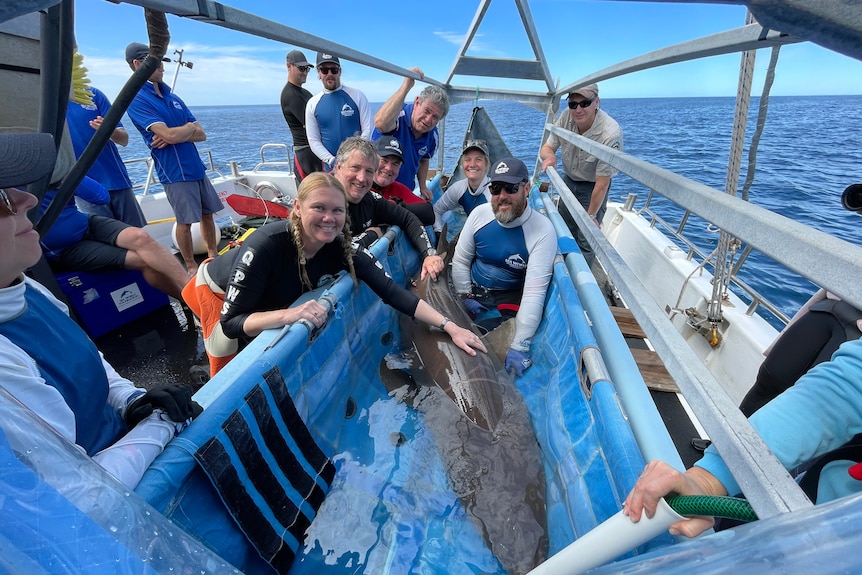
<point x="504" y="260"/>
<point x="170" y="131"/>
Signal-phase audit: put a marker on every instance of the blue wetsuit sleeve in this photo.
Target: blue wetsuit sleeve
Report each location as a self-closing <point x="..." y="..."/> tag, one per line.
<point x="821" y="412"/>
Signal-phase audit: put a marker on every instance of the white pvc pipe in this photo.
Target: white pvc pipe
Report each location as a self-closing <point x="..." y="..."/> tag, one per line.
<point x="608" y="541"/>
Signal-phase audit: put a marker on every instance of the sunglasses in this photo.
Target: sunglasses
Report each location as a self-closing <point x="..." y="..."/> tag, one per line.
<point x="582" y="103"/>
<point x="303" y="68"/>
<point x="7" y="204"/>
<point x="497" y="188"/>
<point x="328" y="70"/>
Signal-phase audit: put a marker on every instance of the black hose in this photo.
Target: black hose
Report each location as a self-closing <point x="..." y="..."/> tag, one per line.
<point x="157" y="27"/>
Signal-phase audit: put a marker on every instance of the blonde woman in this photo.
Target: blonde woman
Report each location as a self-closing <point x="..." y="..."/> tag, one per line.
<point x="249" y="289"/>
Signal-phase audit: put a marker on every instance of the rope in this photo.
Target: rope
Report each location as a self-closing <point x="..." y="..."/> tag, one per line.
<point x="721" y="277"/>
<point x="761" y="122"/>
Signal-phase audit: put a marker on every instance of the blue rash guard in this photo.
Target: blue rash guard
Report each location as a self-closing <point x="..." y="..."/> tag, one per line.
<point x="332" y="117"/>
<point x="413" y="148"/>
<point x="460" y="194"/>
<point x="517" y="255"/>
<point x="108" y="168"/>
<point x="177" y="162"/>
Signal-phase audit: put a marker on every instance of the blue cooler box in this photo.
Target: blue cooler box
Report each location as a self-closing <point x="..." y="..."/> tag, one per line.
<point x="105" y="301"/>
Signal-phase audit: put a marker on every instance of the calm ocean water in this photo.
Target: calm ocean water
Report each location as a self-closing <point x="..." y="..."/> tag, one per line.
<point x="808" y="154"/>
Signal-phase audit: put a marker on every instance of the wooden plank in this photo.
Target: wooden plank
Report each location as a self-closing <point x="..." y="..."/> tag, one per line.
<point x="653" y="371"/>
<point x="627" y="323"/>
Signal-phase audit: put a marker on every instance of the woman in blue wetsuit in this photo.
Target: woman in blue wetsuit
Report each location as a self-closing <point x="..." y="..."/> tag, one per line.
<point x="245" y="291"/>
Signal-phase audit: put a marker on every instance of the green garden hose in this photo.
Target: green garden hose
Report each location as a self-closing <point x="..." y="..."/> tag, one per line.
<point x="727" y="507"/>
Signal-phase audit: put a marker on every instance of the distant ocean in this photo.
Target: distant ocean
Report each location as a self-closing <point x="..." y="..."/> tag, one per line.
<point x="811" y="149"/>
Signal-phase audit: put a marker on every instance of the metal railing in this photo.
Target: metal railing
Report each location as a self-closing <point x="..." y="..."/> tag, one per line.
<point x="755" y="298"/>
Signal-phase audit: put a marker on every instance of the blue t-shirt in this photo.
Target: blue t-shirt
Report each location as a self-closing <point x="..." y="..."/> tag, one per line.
<point x="71" y="224"/>
<point x="414" y="149"/>
<point x="176" y="162"/>
<point x="108" y="169"/>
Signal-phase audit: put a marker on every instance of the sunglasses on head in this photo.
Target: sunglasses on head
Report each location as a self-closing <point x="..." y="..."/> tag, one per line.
<point x="582" y="103"/>
<point x="497" y="188"/>
<point x="7" y="204"/>
<point x="329" y="70"/>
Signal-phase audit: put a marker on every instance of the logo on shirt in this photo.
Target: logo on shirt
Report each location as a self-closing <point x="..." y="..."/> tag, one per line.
<point x="516" y="262"/>
<point x="422" y="151"/>
<point x="177" y="105"/>
<point x="347" y="111"/>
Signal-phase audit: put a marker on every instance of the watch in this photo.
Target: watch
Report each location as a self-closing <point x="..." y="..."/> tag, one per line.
<point x="443" y="323"/>
<point x="430" y="252"/>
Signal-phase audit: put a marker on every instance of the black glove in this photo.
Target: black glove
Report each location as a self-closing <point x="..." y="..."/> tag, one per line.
<point x="175" y="399"/>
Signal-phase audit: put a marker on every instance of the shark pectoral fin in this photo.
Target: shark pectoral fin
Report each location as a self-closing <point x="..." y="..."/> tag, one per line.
<point x="499" y="340"/>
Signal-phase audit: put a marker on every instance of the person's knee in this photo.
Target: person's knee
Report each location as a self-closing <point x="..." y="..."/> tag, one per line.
<point x="135" y="239"/>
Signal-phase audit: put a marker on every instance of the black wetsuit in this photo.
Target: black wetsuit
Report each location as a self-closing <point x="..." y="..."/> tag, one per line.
<point x="810" y="340"/>
<point x="268" y="270"/>
<point x="293" y="100"/>
<point x="375" y="210"/>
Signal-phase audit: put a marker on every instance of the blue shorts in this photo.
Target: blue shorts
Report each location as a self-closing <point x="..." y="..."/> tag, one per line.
<point x="97" y="250"/>
<point x="192" y="199"/>
<point x="123" y="206"/>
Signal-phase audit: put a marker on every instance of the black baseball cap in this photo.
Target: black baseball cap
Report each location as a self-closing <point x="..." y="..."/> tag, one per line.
<point x="389" y="146"/>
<point x="297" y="58"/>
<point x="510" y="171"/>
<point x="138" y="51"/>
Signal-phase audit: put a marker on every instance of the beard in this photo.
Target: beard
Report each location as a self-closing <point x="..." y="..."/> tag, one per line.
<point x="516" y="211"/>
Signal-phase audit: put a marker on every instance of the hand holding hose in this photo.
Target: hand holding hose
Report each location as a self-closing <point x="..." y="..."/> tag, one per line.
<point x="660" y="479"/>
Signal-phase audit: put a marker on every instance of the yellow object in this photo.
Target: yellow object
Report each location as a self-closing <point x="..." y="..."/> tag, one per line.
<point x="237" y="242"/>
<point x="80" y="91"/>
<point x="714" y="337"/>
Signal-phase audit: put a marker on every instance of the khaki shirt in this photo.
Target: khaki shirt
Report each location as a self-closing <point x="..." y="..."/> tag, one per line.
<point x="578" y="164"/>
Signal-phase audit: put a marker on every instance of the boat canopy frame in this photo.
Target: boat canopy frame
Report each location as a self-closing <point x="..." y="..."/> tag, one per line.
<point x="765" y="482"/>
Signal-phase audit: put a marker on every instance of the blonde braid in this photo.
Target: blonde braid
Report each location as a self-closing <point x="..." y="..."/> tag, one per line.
<point x="295" y="226"/>
<point x="349" y="251"/>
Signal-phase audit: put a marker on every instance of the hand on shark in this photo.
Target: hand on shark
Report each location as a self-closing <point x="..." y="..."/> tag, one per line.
<point x="432" y="265"/>
<point x="465" y="339"/>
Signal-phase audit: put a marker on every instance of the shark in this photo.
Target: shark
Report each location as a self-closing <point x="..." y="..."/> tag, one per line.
<point x="481" y="427"/>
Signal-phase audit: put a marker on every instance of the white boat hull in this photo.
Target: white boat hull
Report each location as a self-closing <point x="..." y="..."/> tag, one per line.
<point x="663" y="269"/>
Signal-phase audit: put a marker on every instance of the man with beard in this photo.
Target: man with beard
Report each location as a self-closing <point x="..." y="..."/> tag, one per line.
<point x="504" y="260"/>
<point x="336" y="113"/>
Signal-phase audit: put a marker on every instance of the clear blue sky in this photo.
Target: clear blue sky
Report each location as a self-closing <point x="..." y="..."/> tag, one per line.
<point x="578" y="37"/>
